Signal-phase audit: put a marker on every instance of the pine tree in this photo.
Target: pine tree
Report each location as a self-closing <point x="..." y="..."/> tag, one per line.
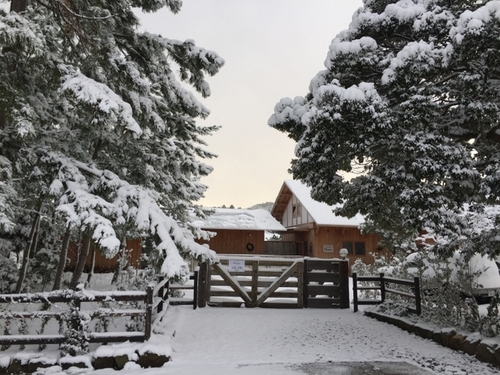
<point x="97" y="126"/>
<point x="409" y="103"/>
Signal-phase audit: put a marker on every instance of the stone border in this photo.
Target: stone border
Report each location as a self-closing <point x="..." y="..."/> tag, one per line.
<point x="145" y="360"/>
<point x="473" y="344"/>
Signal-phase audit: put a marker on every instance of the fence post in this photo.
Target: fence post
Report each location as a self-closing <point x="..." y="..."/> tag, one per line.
<point x="355" y="291"/>
<point x="344" y="284"/>
<point x="195" y="290"/>
<point x="418" y="301"/>
<point x="161" y="295"/>
<point x="202" y="285"/>
<point x="255" y="282"/>
<point x="300" y="287"/>
<point x="149" y="312"/>
<point x="382" y="287"/>
<point x="76" y="321"/>
<point x="305" y="294"/>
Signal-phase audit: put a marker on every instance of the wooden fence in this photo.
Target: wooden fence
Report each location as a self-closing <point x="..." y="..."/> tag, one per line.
<point x="76" y="298"/>
<point x="274" y="282"/>
<point x="165" y="288"/>
<point x="278" y="248"/>
<point x="380" y="284"/>
<point x="326" y="283"/>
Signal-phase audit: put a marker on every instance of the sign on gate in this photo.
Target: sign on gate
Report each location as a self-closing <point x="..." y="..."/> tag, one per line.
<point x="236" y="265"/>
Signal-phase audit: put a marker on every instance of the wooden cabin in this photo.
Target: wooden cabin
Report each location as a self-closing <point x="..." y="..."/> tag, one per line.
<point x="239" y="231"/>
<point x="102" y="264"/>
<point x="317" y="231"/>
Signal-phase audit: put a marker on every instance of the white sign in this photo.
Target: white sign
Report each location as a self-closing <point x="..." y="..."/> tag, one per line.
<point x="236" y="265"/>
<point x="328" y="248"/>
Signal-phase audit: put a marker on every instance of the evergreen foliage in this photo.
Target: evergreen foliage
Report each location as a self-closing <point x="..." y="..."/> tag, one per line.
<point x="409" y="103"/>
<point x="97" y="126"/>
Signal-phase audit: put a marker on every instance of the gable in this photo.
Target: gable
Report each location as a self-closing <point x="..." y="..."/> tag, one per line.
<point x="319" y="213"/>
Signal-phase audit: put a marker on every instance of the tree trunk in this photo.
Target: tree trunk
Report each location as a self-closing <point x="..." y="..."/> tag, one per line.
<point x="119" y="262"/>
<point x="26" y="254"/>
<point x="29" y="247"/>
<point x="80" y="264"/>
<point x="62" y="259"/>
<point x="92" y="265"/>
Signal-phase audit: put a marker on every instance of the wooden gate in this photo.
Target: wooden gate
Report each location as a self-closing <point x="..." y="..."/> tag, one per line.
<point x="253" y="282"/>
<point x="274" y="282"/>
<point x="326" y="283"/>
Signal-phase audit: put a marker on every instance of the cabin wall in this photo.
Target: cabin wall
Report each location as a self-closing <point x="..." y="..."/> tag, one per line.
<point x="103" y="264"/>
<point x="301" y="239"/>
<point x="236" y="241"/>
<point x="328" y="241"/>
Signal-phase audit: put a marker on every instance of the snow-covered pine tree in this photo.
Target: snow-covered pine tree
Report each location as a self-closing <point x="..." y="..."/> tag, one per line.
<point x="409" y="102"/>
<point x="96" y="124"/>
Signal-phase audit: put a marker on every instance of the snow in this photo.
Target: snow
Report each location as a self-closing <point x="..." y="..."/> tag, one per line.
<point x="214" y="341"/>
<point x="414" y="50"/>
<point x="473" y="22"/>
<point x="228" y="218"/>
<point x="322" y="213"/>
<point x="250" y="341"/>
<point x="89" y="91"/>
<point x="401" y="11"/>
<point x="355" y="46"/>
<point x="484" y="269"/>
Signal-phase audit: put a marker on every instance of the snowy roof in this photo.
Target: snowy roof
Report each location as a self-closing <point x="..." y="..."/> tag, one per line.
<point x="321" y="213"/>
<point x="229" y="218"/>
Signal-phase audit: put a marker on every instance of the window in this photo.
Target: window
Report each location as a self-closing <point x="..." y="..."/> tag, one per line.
<point x="357" y="247"/>
<point x="297" y="210"/>
<point x="348" y="246"/>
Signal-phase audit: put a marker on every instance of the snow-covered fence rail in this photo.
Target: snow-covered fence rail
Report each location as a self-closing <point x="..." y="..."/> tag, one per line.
<point x="379" y="283"/>
<point x="74" y="300"/>
<point x="165" y="290"/>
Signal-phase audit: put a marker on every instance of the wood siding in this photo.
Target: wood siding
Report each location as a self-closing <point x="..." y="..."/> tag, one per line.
<point x="335" y="236"/>
<point x="236" y="241"/>
<point x="103" y="264"/>
<point x="291" y="218"/>
<point x="319" y="241"/>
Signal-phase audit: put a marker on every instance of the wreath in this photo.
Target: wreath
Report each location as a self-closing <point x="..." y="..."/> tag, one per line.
<point x="249" y="246"/>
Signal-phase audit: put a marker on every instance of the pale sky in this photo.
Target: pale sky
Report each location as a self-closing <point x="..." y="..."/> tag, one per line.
<point x="272" y="49"/>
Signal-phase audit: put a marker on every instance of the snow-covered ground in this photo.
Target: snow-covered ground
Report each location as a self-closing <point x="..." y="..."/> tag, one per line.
<point x="246" y="341"/>
<point x="216" y="341"/>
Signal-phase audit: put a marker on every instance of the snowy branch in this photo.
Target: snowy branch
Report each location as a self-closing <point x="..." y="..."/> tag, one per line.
<point x="125" y="203"/>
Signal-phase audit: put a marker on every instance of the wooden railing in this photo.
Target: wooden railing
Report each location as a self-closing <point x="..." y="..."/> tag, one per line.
<point x="326" y="283"/>
<point x="165" y="287"/>
<point x="277" y="282"/>
<point x="380" y="285"/>
<point x="76" y="298"/>
<point x="252" y="281"/>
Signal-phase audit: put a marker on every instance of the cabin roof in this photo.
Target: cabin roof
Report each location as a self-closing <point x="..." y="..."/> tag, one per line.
<point x="229" y="218"/>
<point x="321" y="213"/>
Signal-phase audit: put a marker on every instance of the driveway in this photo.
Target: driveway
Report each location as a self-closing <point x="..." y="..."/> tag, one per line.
<point x="303" y="341"/>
